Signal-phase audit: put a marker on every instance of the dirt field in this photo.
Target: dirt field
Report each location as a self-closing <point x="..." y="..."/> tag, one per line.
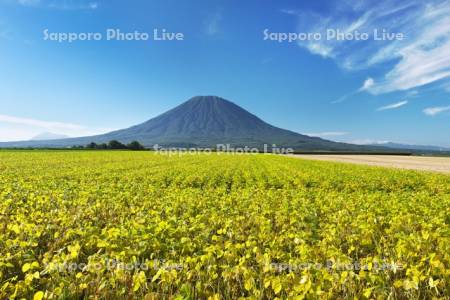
<point x="436" y="164"/>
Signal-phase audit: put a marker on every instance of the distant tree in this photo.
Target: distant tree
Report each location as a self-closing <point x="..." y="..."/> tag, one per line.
<point x="102" y="146"/>
<point x="135" y="145"/>
<point x="116" y="145"/>
<point x="92" y="146"/>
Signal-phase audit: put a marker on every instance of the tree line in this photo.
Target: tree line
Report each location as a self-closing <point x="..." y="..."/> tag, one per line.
<point x="116" y="145"/>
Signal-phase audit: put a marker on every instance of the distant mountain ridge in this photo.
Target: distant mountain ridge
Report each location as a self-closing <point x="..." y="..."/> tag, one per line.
<point x="45" y="136"/>
<point x="412" y="147"/>
<point x="205" y="121"/>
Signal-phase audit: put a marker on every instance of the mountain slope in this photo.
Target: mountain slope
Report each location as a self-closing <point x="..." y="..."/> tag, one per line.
<point x="204" y="121"/>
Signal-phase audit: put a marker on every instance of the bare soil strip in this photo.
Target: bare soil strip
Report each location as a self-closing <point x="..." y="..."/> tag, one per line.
<point x="435" y="164"/>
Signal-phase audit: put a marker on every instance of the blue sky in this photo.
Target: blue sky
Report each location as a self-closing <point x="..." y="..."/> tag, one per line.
<point x="345" y="90"/>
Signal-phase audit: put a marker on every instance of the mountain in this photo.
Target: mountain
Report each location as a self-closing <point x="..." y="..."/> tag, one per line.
<point x="411" y="147"/>
<point x="45" y="136"/>
<point x="205" y="121"/>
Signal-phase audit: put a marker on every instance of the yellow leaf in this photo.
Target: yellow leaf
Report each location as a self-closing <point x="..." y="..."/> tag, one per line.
<point x="304" y="279"/>
<point x="248" y="284"/>
<point x="408" y="285"/>
<point x="137" y="286"/>
<point x="156" y="276"/>
<point x="433" y="283"/>
<point x="15" y="228"/>
<point x="26" y="267"/>
<point x="83" y="286"/>
<point x="344" y="275"/>
<point x="276" y="285"/>
<point x="266" y="283"/>
<point x="38" y="296"/>
<point x="367" y="292"/>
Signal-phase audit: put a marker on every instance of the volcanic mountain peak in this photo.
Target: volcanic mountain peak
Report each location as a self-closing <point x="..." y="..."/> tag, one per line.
<point x="208" y="98"/>
<point x="203" y="121"/>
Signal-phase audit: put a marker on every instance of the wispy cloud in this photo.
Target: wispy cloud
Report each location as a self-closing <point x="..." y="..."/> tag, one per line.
<point x="412" y="93"/>
<point x="343" y="98"/>
<point x="212" y="23"/>
<point x="368" y="83"/>
<point x="432" y="111"/>
<point x="58" y="4"/>
<point x="74" y="5"/>
<point x="446" y="86"/>
<point x="393" y="105"/>
<point x="420" y="59"/>
<point x="368" y="142"/>
<point x="39" y="123"/>
<point x="328" y="133"/>
<point x="28" y="2"/>
<point x="4" y="33"/>
<point x="290" y="11"/>
<point x="18" y="128"/>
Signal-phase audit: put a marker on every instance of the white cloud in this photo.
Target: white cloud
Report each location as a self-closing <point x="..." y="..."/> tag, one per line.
<point x="16" y="128"/>
<point x="412" y="93"/>
<point x="73" y="5"/>
<point x="343" y="98"/>
<point x="212" y="23"/>
<point x="417" y="68"/>
<point x="328" y="133"/>
<point x="59" y="4"/>
<point x="421" y="58"/>
<point x="446" y="86"/>
<point x="393" y="105"/>
<point x="432" y="111"/>
<point x="320" y="49"/>
<point x="12" y="133"/>
<point x="368" y="83"/>
<point x="28" y="2"/>
<point x="290" y="12"/>
<point x="39" y="123"/>
<point x="368" y="142"/>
